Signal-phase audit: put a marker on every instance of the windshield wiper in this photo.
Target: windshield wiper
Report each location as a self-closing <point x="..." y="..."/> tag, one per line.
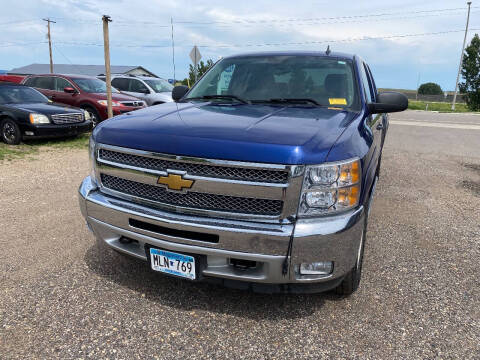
<point x="288" y="101"/>
<point x="209" y="97"/>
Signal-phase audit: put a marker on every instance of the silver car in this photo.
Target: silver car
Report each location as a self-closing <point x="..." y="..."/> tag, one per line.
<point x="152" y="90"/>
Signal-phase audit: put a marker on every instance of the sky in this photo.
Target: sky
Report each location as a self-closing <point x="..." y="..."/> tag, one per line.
<point x="141" y="33"/>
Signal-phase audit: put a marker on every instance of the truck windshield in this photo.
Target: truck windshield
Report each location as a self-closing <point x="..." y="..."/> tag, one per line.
<point x="282" y="79"/>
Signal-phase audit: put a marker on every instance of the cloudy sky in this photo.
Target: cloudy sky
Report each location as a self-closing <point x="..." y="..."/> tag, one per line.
<point x="140" y="33"/>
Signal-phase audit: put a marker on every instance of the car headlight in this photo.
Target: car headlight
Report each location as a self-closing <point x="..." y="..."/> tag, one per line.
<point x="105" y="103"/>
<point x="330" y="188"/>
<point x="87" y="115"/>
<point x="39" y="119"/>
<point x="92" y="159"/>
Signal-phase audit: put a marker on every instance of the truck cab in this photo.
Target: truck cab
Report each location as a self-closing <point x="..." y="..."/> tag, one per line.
<point x="259" y="177"/>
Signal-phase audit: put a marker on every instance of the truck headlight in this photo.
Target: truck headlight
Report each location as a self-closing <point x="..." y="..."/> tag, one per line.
<point x="87" y="115"/>
<point x="330" y="188"/>
<point x="92" y="159"/>
<point x="38" y="119"/>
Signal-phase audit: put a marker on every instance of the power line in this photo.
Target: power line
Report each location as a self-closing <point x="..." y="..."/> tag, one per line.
<point x="269" y="21"/>
<point x="274" y="44"/>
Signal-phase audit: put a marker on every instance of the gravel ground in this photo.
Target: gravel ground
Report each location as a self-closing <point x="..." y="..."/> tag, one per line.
<point x="62" y="295"/>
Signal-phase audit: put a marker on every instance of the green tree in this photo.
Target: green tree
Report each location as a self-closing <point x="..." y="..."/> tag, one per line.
<point x="201" y="69"/>
<point x="471" y="74"/>
<point x="430" y="89"/>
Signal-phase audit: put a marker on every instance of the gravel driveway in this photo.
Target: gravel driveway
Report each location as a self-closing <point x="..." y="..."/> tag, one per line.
<point x="62" y="295"/>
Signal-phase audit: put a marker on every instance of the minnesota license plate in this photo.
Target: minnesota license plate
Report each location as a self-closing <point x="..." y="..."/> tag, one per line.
<point x="173" y="263"/>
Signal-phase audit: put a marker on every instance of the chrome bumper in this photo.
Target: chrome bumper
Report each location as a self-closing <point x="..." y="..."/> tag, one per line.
<point x="328" y="239"/>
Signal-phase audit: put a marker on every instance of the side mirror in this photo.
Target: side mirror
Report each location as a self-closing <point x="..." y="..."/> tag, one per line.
<point x="69" y="90"/>
<point x="388" y="102"/>
<point x="179" y="92"/>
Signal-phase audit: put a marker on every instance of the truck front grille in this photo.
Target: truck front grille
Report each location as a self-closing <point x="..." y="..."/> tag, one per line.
<point x="214" y="171"/>
<point x="194" y="200"/>
<point x="60" y="119"/>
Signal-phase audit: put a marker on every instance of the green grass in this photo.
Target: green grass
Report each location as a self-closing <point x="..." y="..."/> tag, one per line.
<point x="436" y="106"/>
<point x="32" y="147"/>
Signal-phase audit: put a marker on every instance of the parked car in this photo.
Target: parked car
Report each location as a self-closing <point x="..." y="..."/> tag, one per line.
<point x="152" y="90"/>
<point x="86" y="92"/>
<point x="26" y="113"/>
<point x="261" y="176"/>
<point x="12" y="78"/>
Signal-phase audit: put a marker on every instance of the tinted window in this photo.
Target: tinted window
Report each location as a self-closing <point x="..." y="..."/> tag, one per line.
<point x="120" y="83"/>
<point x="92" y="85"/>
<point x="366" y="83"/>
<point x="61" y="84"/>
<point x="159" y="85"/>
<point x="372" y="82"/>
<point x="137" y="86"/>
<point x="44" y="82"/>
<point x="327" y="81"/>
<point x="30" y="81"/>
<point x="20" y="94"/>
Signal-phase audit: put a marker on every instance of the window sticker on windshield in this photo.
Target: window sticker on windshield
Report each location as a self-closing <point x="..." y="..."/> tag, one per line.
<point x="341" y="62"/>
<point x="337" y="101"/>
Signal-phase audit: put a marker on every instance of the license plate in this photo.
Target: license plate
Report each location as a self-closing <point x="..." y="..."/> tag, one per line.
<point x="173" y="263"/>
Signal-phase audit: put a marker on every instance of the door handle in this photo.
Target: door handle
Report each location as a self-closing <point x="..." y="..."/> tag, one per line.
<point x="380" y="126"/>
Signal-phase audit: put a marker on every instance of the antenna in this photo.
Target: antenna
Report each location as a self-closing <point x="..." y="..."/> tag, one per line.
<point x="328" y="50"/>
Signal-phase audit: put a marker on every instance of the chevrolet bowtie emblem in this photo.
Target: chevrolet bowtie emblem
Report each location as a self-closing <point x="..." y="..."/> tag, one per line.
<point x="175" y="182"/>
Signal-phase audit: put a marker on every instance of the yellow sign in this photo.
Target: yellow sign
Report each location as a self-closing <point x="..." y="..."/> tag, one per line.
<point x="337" y="101"/>
<point x="175" y="182"/>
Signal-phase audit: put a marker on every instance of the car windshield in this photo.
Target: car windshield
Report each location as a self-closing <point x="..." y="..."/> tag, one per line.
<point x="159" y="85"/>
<point x="20" y="95"/>
<point x="312" y="80"/>
<point x="92" y="85"/>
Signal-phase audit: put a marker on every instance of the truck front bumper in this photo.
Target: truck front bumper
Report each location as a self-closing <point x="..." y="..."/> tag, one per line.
<point x="127" y="227"/>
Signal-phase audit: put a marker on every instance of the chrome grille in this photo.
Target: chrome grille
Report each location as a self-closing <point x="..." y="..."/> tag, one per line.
<point x="133" y="103"/>
<point x="215" y="171"/>
<point x="194" y="200"/>
<point x="67" y="118"/>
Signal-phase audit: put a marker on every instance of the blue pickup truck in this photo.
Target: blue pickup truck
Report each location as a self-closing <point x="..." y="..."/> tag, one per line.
<point x="259" y="177"/>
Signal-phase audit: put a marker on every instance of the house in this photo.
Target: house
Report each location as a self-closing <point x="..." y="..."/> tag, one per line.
<point x="91" y="70"/>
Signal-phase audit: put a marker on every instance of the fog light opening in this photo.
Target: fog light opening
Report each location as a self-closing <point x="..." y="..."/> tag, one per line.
<point x="29" y="133"/>
<point x="316" y="268"/>
<point x="243" y="264"/>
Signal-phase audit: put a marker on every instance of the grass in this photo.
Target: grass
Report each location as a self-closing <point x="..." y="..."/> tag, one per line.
<point x="436" y="106"/>
<point x="32" y="147"/>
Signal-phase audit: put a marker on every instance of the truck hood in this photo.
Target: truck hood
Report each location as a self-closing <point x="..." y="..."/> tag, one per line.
<point x="258" y="133"/>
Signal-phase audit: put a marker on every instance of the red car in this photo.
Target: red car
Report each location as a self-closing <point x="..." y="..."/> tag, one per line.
<point x="12" y="78"/>
<point x="86" y="92"/>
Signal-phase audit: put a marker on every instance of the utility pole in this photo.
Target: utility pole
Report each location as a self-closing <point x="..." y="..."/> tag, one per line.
<point x="106" y="46"/>
<point x="49" y="42"/>
<point x="173" y="52"/>
<point x="418" y="85"/>
<point x="461" y="58"/>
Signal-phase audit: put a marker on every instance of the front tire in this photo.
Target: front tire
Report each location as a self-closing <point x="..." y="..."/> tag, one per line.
<point x="351" y="282"/>
<point x="94" y="115"/>
<point x="10" y="132"/>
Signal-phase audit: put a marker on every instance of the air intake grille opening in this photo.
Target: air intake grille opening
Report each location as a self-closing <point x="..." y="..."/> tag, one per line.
<point x="191" y="235"/>
<point x="215" y="171"/>
<point x="196" y="200"/>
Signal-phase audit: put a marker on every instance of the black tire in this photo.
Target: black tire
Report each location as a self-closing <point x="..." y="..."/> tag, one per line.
<point x="351" y="282"/>
<point x="377" y="173"/>
<point x="95" y="116"/>
<point x="10" y="132"/>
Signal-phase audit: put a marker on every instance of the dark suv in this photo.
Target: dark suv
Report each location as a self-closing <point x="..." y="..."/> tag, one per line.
<point x="85" y="92"/>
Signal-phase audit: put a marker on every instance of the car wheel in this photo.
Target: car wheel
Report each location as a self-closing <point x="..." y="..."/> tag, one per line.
<point x="10" y="132"/>
<point x="351" y="282"/>
<point x="94" y="115"/>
